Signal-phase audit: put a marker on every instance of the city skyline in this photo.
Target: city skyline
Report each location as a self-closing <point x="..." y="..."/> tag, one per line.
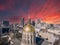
<point x="29" y="33"/>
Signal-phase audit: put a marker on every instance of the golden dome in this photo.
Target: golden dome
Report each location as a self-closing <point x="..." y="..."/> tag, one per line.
<point x="28" y="28"/>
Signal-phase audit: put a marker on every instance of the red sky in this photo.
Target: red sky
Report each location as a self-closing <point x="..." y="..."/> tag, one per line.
<point x="47" y="10"/>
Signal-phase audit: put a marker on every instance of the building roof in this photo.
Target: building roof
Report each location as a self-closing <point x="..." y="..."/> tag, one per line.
<point x="28" y="28"/>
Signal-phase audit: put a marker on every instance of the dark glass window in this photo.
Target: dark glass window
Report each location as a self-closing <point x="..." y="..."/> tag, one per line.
<point x="5" y="30"/>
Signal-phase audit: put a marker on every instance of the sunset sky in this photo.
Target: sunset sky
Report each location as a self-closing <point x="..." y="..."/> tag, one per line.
<point x="47" y="10"/>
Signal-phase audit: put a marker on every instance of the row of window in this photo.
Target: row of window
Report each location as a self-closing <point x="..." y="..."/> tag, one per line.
<point x="28" y="38"/>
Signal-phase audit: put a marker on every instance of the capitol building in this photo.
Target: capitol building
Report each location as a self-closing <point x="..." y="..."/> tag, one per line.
<point x="29" y="36"/>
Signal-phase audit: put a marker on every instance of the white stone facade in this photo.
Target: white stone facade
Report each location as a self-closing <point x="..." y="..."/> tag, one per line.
<point x="28" y="38"/>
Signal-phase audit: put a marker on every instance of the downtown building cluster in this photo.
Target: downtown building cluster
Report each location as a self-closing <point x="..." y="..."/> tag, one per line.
<point x="43" y="34"/>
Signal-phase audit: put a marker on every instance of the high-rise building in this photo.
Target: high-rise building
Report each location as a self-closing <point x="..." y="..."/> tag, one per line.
<point x="4" y="34"/>
<point x="37" y="21"/>
<point x="28" y="35"/>
<point x="6" y="23"/>
<point x="33" y="23"/>
<point x="29" y="20"/>
<point x="5" y="27"/>
<point x="22" y="22"/>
